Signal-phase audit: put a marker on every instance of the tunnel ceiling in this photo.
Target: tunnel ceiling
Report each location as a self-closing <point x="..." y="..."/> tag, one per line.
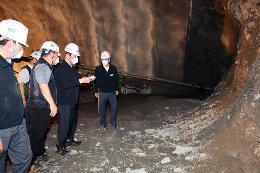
<point x="146" y="38"/>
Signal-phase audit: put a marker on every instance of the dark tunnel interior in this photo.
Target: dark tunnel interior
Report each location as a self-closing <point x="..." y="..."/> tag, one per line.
<point x="211" y="44"/>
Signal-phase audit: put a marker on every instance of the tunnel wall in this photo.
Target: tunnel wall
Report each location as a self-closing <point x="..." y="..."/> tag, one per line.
<point x="240" y="88"/>
<point x="212" y="46"/>
<point x="145" y="37"/>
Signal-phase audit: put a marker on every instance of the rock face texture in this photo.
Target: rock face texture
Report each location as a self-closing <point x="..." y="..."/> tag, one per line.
<point x="213" y="37"/>
<point x="243" y="75"/>
<point x="136" y="32"/>
<point x="231" y="114"/>
<point x="173" y="40"/>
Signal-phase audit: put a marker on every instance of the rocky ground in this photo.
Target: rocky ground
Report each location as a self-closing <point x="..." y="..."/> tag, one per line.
<point x="144" y="142"/>
<point x="149" y="141"/>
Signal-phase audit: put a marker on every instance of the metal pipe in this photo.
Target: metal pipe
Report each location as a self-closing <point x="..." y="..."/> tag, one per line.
<point x="154" y="79"/>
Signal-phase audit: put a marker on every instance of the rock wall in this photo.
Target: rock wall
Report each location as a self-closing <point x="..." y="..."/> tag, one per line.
<point x="142" y="36"/>
<point x="234" y="106"/>
<point x="147" y="38"/>
<point x="212" y="40"/>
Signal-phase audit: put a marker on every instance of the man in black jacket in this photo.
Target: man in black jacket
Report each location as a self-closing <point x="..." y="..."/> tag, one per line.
<point x="14" y="139"/>
<point x="68" y="81"/>
<point x="106" y="89"/>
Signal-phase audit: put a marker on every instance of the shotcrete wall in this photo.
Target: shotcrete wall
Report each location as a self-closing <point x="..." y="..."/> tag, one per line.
<point x="180" y="40"/>
<point x="145" y="38"/>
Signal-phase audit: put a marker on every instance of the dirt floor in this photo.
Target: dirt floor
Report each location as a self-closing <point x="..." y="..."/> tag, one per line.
<point x="149" y="141"/>
<point x="144" y="142"/>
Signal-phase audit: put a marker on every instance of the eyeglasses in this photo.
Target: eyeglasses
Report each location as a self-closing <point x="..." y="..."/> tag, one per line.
<point x="73" y="56"/>
<point x="17" y="43"/>
<point x="105" y="59"/>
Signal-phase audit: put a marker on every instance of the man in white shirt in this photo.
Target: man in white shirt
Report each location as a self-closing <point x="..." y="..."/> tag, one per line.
<point x="24" y="76"/>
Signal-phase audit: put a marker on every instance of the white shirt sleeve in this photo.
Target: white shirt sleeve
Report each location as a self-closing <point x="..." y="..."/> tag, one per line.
<point x="23" y="76"/>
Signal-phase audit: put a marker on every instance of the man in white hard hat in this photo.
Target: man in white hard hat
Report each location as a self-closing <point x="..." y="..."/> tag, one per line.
<point x="106" y="89"/>
<point x="68" y="82"/>
<point x="14" y="139"/>
<point x="24" y="75"/>
<point x="41" y="105"/>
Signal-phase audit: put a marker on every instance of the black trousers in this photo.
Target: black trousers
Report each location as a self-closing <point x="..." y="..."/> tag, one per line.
<point x="67" y="120"/>
<point x="39" y="120"/>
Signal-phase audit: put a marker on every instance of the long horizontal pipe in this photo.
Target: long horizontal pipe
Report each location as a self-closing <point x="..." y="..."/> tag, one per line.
<point x="91" y="68"/>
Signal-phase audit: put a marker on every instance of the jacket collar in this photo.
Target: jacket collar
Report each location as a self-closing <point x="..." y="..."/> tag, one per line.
<point x="66" y="64"/>
<point x="3" y="62"/>
<point x="42" y="60"/>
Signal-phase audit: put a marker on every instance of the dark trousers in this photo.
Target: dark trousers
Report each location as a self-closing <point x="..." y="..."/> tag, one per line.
<point x="103" y="99"/>
<point x="67" y="120"/>
<point x="17" y="145"/>
<point x="26" y="117"/>
<point x="39" y="119"/>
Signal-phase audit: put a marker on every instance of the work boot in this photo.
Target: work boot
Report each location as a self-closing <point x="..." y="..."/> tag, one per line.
<point x="62" y="150"/>
<point x="115" y="126"/>
<point x="103" y="128"/>
<point x="38" y="167"/>
<point x="47" y="159"/>
<point x="73" y="143"/>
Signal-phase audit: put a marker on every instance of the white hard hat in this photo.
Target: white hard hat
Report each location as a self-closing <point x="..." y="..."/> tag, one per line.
<point x="14" y="30"/>
<point x="105" y="55"/>
<point x="36" y="54"/>
<point x="51" y="46"/>
<point x="72" y="48"/>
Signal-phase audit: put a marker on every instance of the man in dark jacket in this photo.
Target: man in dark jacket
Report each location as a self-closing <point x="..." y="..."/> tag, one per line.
<point x="68" y="82"/>
<point x="14" y="139"/>
<point x="106" y="89"/>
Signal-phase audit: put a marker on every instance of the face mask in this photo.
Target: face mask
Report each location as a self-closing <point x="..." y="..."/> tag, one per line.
<point x="56" y="61"/>
<point x="105" y="62"/>
<point x="13" y="52"/>
<point x="19" y="55"/>
<point x="75" y="61"/>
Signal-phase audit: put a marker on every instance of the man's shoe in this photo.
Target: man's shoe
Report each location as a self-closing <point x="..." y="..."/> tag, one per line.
<point x="37" y="167"/>
<point x="46" y="158"/>
<point x="115" y="126"/>
<point x="73" y="143"/>
<point x="103" y="128"/>
<point x="62" y="151"/>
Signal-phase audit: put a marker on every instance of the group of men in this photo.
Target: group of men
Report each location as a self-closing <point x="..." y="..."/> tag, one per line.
<point x="27" y="104"/>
